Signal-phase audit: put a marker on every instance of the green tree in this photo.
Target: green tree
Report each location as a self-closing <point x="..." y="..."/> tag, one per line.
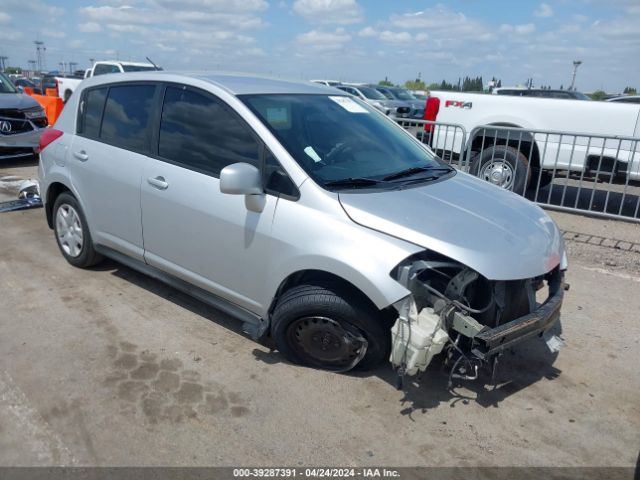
<point x="630" y="91"/>
<point x="13" y="70"/>
<point x="385" y="82"/>
<point x="416" y="84"/>
<point x="598" y="95"/>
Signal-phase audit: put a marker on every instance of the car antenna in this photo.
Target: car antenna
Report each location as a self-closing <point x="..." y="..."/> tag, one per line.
<point x="151" y="62"/>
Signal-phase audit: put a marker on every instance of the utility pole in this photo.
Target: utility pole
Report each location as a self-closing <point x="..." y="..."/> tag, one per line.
<point x="40" y="51"/>
<point x="72" y="66"/>
<point x="3" y="65"/>
<point x="576" y="64"/>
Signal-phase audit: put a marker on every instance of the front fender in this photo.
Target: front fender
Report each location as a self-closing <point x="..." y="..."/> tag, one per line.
<point x="330" y="242"/>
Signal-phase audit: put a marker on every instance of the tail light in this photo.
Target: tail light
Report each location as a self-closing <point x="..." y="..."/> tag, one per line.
<point x="48" y="136"/>
<point x="431" y="112"/>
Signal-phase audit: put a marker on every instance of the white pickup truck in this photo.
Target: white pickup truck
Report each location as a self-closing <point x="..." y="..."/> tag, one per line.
<point x="523" y="155"/>
<point x="66" y="85"/>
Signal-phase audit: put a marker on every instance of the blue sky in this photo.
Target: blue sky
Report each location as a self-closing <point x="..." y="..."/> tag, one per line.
<point x="350" y="40"/>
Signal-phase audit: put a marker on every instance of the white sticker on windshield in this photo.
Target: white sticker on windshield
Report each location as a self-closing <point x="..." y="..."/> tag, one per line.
<point x="349" y="105"/>
<point x="312" y="153"/>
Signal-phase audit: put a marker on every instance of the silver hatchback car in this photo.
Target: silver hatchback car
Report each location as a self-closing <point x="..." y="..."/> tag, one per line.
<point x="307" y="214"/>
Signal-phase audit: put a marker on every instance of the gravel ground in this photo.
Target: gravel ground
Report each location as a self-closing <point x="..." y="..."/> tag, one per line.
<point x="108" y="367"/>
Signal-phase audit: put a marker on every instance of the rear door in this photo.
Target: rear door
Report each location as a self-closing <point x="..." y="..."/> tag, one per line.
<point x="191" y="229"/>
<point x="107" y="158"/>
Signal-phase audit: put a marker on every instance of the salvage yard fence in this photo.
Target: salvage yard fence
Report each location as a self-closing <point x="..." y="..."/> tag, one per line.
<point x="574" y="172"/>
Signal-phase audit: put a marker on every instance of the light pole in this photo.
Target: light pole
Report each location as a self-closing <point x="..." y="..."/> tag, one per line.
<point x="576" y="64"/>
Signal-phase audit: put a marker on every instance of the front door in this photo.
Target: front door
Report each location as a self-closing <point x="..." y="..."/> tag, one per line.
<point x="191" y="229"/>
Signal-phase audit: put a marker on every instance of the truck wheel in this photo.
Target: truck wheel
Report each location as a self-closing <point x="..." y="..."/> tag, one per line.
<point x="72" y="232"/>
<point x="503" y="166"/>
<point x="316" y="326"/>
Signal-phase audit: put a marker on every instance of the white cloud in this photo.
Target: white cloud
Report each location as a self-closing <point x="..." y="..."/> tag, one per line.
<point x="368" y="32"/>
<point x="421" y="37"/>
<point x="524" y="29"/>
<point x="544" y="10"/>
<point x="395" y="37"/>
<point x="4" y="18"/>
<point x="338" y="12"/>
<point x="213" y="6"/>
<point x="89" y="27"/>
<point x="322" y="40"/>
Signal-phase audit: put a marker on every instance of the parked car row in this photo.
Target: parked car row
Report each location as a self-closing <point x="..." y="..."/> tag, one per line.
<point x="395" y="101"/>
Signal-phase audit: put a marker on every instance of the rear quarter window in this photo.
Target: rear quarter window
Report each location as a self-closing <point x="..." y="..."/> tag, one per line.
<point x="91" y="110"/>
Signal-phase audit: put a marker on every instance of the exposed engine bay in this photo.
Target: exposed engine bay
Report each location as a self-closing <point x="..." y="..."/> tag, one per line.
<point x="456" y="311"/>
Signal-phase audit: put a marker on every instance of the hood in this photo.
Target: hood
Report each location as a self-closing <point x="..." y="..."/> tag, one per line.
<point x="495" y="232"/>
<point x="18" y="101"/>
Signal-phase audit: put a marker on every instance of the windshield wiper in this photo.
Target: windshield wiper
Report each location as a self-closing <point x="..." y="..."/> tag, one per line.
<point x="352" y="182"/>
<point x="413" y="170"/>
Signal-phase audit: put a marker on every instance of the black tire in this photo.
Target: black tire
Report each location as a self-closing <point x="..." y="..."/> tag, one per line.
<point x="510" y="166"/>
<point x="322" y="306"/>
<point x="87" y="256"/>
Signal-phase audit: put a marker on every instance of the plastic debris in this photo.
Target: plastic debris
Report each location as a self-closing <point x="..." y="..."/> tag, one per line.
<point x="28" y="197"/>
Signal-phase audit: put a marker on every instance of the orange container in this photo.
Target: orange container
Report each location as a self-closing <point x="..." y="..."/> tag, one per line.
<point x="28" y="90"/>
<point x="51" y="92"/>
<point x="52" y="106"/>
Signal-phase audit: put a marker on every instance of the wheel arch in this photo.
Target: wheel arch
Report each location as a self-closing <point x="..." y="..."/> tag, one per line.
<point x="53" y="191"/>
<point x="524" y="142"/>
<point x="318" y="276"/>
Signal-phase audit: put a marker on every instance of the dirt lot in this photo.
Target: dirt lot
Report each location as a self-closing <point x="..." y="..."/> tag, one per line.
<point x="108" y="367"/>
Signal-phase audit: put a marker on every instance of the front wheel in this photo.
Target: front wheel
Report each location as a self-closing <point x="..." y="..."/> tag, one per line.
<point x="503" y="166"/>
<point x="315" y="325"/>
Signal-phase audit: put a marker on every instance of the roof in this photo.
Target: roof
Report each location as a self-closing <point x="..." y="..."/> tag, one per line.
<point x="234" y="83"/>
<point x="240" y="84"/>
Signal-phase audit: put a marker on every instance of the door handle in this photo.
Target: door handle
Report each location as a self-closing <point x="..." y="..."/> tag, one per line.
<point x="81" y="155"/>
<point x="158" y="182"/>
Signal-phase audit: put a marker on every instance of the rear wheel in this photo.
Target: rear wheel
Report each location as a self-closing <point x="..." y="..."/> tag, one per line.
<point x="315" y="325"/>
<point x="72" y="233"/>
<point x="503" y="166"/>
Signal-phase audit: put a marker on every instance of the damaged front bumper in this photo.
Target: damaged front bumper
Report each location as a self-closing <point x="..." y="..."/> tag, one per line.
<point x="453" y="309"/>
<point x="493" y="341"/>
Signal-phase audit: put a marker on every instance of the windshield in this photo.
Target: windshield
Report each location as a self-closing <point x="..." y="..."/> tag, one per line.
<point x="5" y="84"/>
<point x="372" y="93"/>
<point x="340" y="139"/>
<point x="402" y="94"/>
<point x="138" y="68"/>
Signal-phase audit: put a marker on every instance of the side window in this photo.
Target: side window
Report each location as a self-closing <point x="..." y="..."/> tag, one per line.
<point x="126" y="116"/>
<point x="102" y="69"/>
<point x="202" y="133"/>
<point x="91" y="113"/>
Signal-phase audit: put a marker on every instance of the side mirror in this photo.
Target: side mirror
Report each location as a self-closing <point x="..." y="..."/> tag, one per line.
<point x="241" y="179"/>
